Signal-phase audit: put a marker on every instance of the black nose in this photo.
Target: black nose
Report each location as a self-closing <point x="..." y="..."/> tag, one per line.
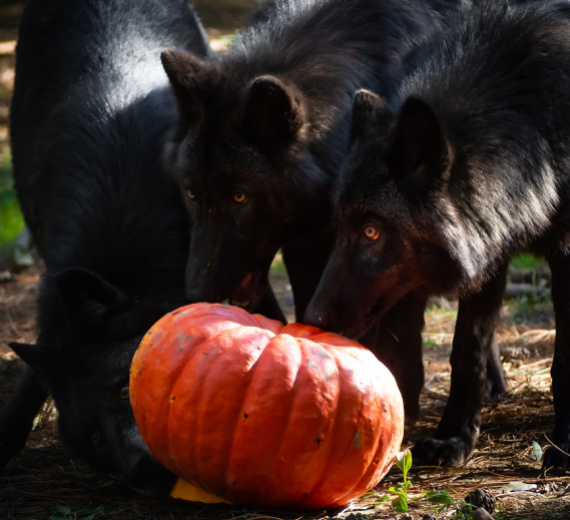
<point x="145" y="475"/>
<point x="199" y="294"/>
<point x="316" y="317"/>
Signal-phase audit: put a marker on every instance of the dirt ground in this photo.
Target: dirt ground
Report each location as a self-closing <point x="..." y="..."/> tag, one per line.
<point x="43" y="481"/>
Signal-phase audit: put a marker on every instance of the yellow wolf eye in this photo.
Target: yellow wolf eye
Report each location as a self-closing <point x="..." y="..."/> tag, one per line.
<point x="371" y="232"/>
<point x="240" y="197"/>
<point x="190" y="194"/>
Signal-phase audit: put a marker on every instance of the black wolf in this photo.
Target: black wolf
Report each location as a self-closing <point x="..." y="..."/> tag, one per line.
<point x="263" y="134"/>
<point x="89" y="116"/>
<point x="466" y="165"/>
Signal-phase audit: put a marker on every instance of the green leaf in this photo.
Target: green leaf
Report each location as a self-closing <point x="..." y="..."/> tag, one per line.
<point x="439" y="497"/>
<point x="400" y="503"/>
<point x="62" y="512"/>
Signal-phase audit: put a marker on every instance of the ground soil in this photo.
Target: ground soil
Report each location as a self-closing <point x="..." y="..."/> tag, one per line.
<point x="44" y="481"/>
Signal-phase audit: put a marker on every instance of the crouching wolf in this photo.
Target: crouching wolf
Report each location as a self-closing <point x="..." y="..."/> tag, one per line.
<point x="90" y="114"/>
<point x="465" y="166"/>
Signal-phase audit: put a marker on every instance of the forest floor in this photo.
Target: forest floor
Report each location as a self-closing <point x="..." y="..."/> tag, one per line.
<point x="45" y="482"/>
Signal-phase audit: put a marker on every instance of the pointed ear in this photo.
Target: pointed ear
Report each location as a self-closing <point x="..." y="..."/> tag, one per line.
<point x="272" y="111"/>
<point x="36" y="357"/>
<point x="188" y="76"/>
<point x="419" y="152"/>
<point x="88" y="296"/>
<point x="370" y="117"/>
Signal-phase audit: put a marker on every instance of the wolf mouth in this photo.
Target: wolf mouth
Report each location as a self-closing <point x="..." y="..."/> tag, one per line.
<point x="248" y="291"/>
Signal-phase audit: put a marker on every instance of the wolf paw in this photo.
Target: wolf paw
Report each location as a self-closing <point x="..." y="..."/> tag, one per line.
<point x="442" y="452"/>
<point x="555" y="458"/>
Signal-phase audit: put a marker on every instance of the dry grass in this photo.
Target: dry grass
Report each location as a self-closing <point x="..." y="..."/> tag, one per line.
<point x="45" y="481"/>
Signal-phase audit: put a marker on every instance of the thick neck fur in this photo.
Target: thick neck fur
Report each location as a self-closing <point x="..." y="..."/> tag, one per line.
<point x="497" y="87"/>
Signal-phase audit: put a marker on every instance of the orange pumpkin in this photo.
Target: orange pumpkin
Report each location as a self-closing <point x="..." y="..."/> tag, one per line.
<point x="263" y="414"/>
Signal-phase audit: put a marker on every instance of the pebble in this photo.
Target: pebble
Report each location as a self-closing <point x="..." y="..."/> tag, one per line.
<point x="482" y="514"/>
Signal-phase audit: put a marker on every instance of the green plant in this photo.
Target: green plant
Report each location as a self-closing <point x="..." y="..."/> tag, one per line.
<point x="278" y="268"/>
<point x="528" y="261"/>
<point x="11" y="218"/>
<point x="404" y="464"/>
<point x="443" y="501"/>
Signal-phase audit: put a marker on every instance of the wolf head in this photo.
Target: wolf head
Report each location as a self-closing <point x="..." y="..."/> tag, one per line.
<point x="387" y="244"/>
<point x="85" y="363"/>
<point x="248" y="177"/>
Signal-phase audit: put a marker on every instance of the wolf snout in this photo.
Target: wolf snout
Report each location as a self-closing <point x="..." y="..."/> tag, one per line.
<point x="145" y="475"/>
<point x="318" y="316"/>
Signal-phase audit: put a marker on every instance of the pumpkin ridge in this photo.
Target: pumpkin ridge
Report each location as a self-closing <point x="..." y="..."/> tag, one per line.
<point x="256" y="336"/>
<point x="151" y="341"/>
<point x="382" y="447"/>
<point x="250" y="395"/>
<point x="332" y="466"/>
<point x="307" y="348"/>
<point x="330" y="442"/>
<point x="189" y="373"/>
<point x="387" y="443"/>
<point x="275" y="326"/>
<point x="232" y="437"/>
<point x="171" y="417"/>
<point x="391" y="441"/>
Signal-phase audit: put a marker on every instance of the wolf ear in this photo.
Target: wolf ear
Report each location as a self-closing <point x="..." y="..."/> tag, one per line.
<point x="419" y="152"/>
<point x="104" y="309"/>
<point x="36" y="357"/>
<point x="88" y="296"/>
<point x="271" y="111"/>
<point x="188" y="75"/>
<point x="370" y="116"/>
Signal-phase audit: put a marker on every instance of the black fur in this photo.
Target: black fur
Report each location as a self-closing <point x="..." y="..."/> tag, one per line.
<point x="466" y="165"/>
<point x="89" y="116"/>
<point x="263" y="134"/>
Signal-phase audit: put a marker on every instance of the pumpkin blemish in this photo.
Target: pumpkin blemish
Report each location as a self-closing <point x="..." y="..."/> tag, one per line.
<point x="357" y="440"/>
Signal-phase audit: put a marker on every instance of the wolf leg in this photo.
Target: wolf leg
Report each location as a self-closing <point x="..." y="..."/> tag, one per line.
<point x="458" y="430"/>
<point x="17" y="418"/>
<point x="560" y="371"/>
